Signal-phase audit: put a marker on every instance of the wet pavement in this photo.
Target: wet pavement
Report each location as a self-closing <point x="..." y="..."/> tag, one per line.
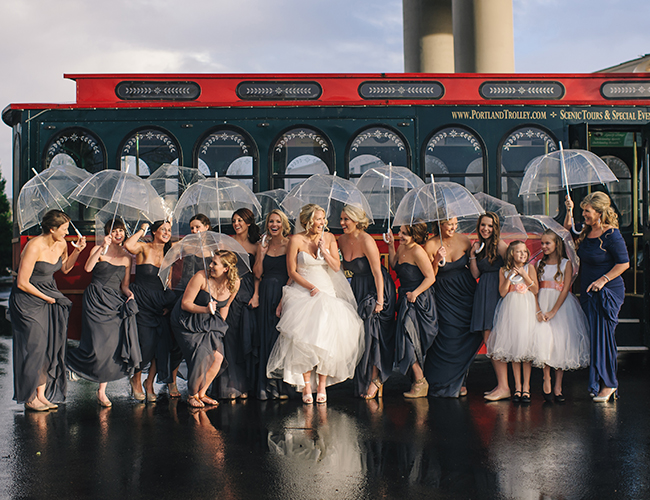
<point x="350" y="448"/>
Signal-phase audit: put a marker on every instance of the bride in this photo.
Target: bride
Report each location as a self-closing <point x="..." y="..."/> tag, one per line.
<point x="320" y="330"/>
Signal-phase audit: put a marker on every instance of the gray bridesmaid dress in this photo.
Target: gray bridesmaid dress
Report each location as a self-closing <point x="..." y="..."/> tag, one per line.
<point x="109" y="349"/>
<point x="39" y="336"/>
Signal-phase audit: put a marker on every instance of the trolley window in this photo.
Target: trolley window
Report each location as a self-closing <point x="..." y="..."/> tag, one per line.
<point x="456" y="154"/>
<point x="146" y="149"/>
<point x="376" y="146"/>
<point x="298" y="153"/>
<point x="228" y="152"/>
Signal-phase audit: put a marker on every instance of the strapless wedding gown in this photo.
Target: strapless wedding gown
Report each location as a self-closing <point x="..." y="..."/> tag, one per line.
<point x="322" y="332"/>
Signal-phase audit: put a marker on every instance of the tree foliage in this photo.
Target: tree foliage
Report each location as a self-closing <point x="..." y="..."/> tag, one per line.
<point x="6" y="230"/>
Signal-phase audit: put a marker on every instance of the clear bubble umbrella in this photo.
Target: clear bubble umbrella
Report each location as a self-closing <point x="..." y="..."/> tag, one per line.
<point x="511" y="228"/>
<point x="47" y="190"/>
<point x="384" y="187"/>
<point x="171" y="181"/>
<point x="194" y="253"/>
<point x="535" y="225"/>
<point x="131" y="217"/>
<point x="271" y="200"/>
<point x="564" y="169"/>
<point x="330" y="192"/>
<point x="436" y="201"/>
<point x="217" y="198"/>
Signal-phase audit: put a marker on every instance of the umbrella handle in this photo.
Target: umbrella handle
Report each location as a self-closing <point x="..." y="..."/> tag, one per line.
<point x="480" y="249"/>
<point x="386" y="237"/>
<point x="442" y="262"/>
<point x="263" y="242"/>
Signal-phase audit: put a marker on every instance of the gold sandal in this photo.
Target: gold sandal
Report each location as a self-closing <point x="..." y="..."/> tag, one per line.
<point x="379" y="393"/>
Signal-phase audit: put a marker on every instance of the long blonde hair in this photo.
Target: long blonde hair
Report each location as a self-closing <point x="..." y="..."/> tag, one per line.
<point x="286" y="227"/>
<point x="229" y="260"/>
<point x="307" y="216"/>
<point x="602" y="204"/>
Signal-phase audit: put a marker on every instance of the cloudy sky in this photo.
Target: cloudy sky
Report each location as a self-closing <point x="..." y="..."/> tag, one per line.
<point x="40" y="40"/>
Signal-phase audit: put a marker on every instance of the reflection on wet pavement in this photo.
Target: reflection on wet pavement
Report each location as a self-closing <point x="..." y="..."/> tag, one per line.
<point x="349" y="448"/>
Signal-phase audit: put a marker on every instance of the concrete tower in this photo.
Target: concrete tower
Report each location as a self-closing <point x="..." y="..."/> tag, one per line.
<point x="462" y="36"/>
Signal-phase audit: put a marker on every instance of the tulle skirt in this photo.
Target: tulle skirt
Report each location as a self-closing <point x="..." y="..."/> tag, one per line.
<point x="562" y="342"/>
<point x="514" y="328"/>
<point x="323" y="332"/>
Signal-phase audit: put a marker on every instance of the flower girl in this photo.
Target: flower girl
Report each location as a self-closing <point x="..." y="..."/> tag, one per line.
<point x="565" y="345"/>
<point x="511" y="340"/>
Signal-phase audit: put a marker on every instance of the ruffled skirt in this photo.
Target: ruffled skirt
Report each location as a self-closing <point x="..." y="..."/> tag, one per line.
<point x="514" y="329"/>
<point x="563" y="342"/>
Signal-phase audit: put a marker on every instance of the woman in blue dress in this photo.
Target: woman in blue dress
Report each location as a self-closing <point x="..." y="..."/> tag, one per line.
<point x="109" y="348"/>
<point x="271" y="269"/>
<point x="39" y="315"/>
<point x="603" y="256"/>
<point x="456" y="344"/>
<point x="417" y="319"/>
<point x="374" y="292"/>
<point x="485" y="260"/>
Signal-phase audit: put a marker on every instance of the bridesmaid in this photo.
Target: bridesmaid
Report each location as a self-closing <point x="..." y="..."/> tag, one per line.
<point x="374" y="292"/>
<point x="192" y="263"/>
<point x="198" y="323"/>
<point x="108" y="325"/>
<point x="241" y="341"/>
<point x="39" y="315"/>
<point x="271" y="269"/>
<point x="417" y="317"/>
<point x="604" y="258"/>
<point x="456" y="344"/>
<point x="154" y="304"/>
<point x="484" y="265"/>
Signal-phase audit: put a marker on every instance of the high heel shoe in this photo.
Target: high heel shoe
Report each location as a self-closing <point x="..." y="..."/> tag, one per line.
<point x="559" y="398"/>
<point x="136" y="393"/>
<point x="419" y="389"/>
<point x="307" y="397"/>
<point x="104" y="403"/>
<point x="150" y="396"/>
<point x="321" y="398"/>
<point x="548" y="397"/>
<point x="173" y="390"/>
<point x="379" y="393"/>
<point x="604" y="399"/>
<point x="525" y="398"/>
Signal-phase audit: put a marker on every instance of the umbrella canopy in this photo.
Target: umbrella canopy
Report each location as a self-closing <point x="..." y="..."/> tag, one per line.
<point x="217" y="198"/>
<point x="120" y="188"/>
<point x="271" y="200"/>
<point x="193" y="254"/>
<point x="131" y="217"/>
<point x="535" y="225"/>
<point x="171" y="181"/>
<point x="436" y="201"/>
<point x="385" y="186"/>
<point x="46" y="191"/>
<point x="511" y="229"/>
<point x="563" y="169"/>
<point x="330" y="192"/>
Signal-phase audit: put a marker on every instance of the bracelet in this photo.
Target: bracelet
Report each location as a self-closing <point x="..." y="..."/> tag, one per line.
<point x="531" y="284"/>
<point x="472" y="258"/>
<point x="539" y="312"/>
<point x="312" y="289"/>
<point x="606" y="277"/>
<point x="380" y="303"/>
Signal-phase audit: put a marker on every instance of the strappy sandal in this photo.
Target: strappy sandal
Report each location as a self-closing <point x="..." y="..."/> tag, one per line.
<point x="173" y="390"/>
<point x="307" y="398"/>
<point x="195" y="402"/>
<point x="209" y="401"/>
<point x="321" y="398"/>
<point x="379" y="393"/>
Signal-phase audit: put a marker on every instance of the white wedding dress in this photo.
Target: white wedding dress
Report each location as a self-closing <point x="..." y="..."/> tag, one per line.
<point x="322" y="332"/>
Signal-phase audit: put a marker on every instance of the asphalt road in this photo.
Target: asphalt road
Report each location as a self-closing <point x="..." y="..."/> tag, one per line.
<point x="395" y="448"/>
